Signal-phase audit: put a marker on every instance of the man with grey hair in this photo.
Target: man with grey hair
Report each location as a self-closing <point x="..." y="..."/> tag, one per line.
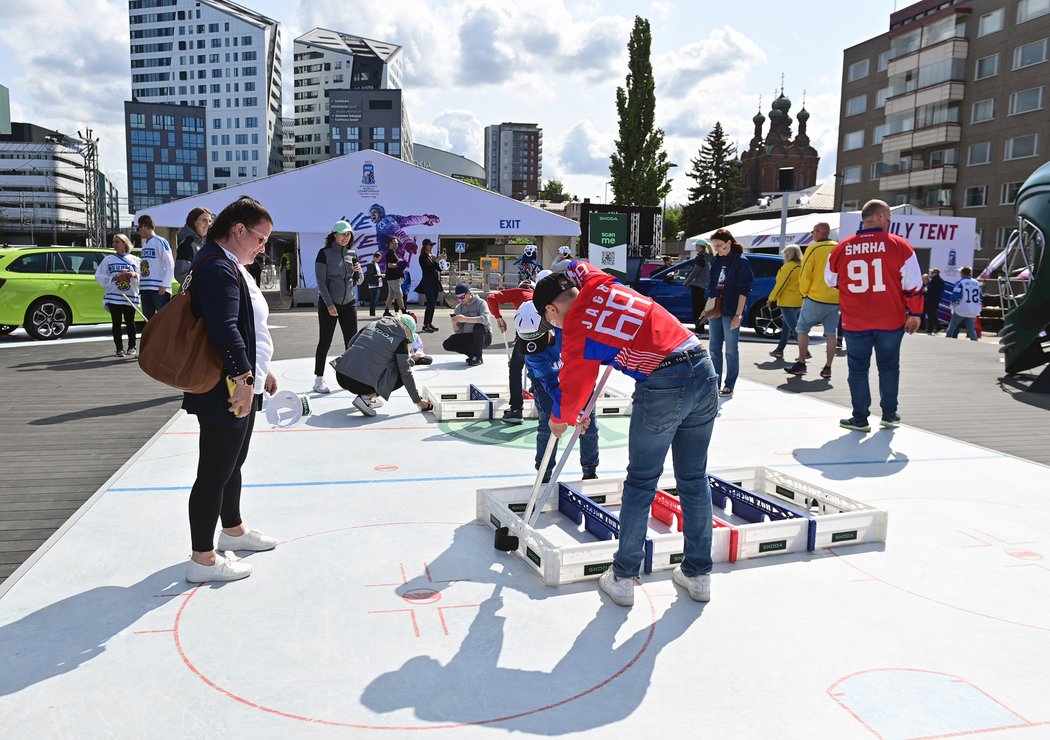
<point x="880" y="288"/>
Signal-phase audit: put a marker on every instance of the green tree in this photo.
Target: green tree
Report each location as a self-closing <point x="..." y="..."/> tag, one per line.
<point x="672" y="221"/>
<point x="718" y="190"/>
<point x="639" y="165"/>
<point x="554" y="191"/>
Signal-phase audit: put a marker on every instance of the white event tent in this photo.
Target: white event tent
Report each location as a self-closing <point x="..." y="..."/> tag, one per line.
<point x="417" y="203"/>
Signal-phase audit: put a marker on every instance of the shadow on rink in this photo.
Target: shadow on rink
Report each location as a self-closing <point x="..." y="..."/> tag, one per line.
<point x="854" y="455"/>
<point x="78" y="363"/>
<point x="102" y="411"/>
<point x="61" y="637"/>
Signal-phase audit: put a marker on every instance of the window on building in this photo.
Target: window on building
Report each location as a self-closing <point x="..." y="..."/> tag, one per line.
<point x="881" y="96"/>
<point x="137" y="120"/>
<point x="853" y="140"/>
<point x="979" y="153"/>
<point x="1029" y="9"/>
<point x="986" y="67"/>
<point x="377" y="133"/>
<point x="851" y="175"/>
<point x="976" y="196"/>
<point x="879" y="133"/>
<point x="393" y="149"/>
<point x="851" y="205"/>
<point x="221" y="172"/>
<point x="1008" y="192"/>
<point x="990" y="22"/>
<point x="241" y="139"/>
<point x="1020" y="147"/>
<point x="856" y="105"/>
<point x="983" y="110"/>
<point x="395" y="134"/>
<point x="882" y="62"/>
<point x="1026" y="101"/>
<point x="1029" y="54"/>
<point x="878" y="169"/>
<point x="380" y="104"/>
<point x="857" y="70"/>
<point x="353" y="132"/>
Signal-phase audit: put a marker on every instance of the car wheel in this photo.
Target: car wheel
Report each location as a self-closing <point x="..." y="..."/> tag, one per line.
<point x="48" y="318"/>
<point x="6" y="329"/>
<point x="766" y="320"/>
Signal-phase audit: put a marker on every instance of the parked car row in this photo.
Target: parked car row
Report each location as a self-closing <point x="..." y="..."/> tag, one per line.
<point x="666" y="288"/>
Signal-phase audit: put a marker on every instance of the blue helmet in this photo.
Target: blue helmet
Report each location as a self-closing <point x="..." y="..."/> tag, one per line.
<point x="377" y="207"/>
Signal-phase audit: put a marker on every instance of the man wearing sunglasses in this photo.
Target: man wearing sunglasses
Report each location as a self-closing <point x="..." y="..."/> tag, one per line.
<point x="470" y="326"/>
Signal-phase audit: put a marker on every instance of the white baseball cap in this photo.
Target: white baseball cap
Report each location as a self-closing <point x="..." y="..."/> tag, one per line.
<point x="528" y="323"/>
<point x="564" y="250"/>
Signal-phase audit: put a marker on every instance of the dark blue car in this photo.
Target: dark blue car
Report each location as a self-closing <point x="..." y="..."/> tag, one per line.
<point x="665" y="287"/>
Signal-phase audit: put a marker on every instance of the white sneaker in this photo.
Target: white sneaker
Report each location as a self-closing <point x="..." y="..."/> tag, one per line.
<point x="320" y="386"/>
<point x="699" y="587"/>
<point x="252" y="540"/>
<point x="620" y="590"/>
<point x="362" y="405"/>
<point x="226" y="568"/>
<point x="375" y="402"/>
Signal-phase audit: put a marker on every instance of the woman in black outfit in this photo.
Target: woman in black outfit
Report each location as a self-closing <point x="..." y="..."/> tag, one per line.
<point x="395" y="273"/>
<point x="192" y="237"/>
<point x="338" y="274"/>
<point x="429" y="284"/>
<point x="221" y="297"/>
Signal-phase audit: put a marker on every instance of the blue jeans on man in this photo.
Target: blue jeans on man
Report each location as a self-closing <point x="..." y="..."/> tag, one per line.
<point x="674" y="408"/>
<point x="887" y="348"/>
<point x="588" y="440"/>
<point x="719" y="333"/>
<point x="968" y="323"/>
<point x="153" y="301"/>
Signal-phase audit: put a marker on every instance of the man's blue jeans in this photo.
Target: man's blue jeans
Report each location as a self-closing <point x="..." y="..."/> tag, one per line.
<point x="674" y="407"/>
<point x="969" y="323"/>
<point x="588" y="440"/>
<point x="887" y="347"/>
<point x="152" y="301"/>
<point x="719" y="331"/>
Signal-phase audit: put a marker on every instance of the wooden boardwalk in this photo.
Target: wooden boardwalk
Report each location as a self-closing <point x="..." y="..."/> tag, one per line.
<point x="73" y="415"/>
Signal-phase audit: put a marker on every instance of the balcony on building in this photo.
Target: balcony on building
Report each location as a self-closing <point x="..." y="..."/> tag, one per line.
<point x="921" y="177"/>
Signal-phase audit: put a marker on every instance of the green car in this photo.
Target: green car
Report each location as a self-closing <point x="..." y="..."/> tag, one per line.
<point x="49" y="289"/>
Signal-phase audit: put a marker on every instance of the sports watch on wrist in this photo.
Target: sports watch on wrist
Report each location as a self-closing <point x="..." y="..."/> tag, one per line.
<point x="248" y="379"/>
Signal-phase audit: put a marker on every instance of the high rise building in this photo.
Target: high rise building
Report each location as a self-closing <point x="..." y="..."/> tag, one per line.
<point x="947" y="111"/>
<point x="368" y="119"/>
<point x="514" y="159"/>
<point x="287" y="146"/>
<point x="216" y="55"/>
<point x="326" y="61"/>
<point x="166" y="152"/>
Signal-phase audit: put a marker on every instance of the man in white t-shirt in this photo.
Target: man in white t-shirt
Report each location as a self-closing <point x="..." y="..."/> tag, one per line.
<point x="966" y="305"/>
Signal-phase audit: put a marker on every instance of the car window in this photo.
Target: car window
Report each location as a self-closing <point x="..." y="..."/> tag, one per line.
<point x="678" y="273"/>
<point x="85" y="263"/>
<point x="34" y="262"/>
<point x="765" y="268"/>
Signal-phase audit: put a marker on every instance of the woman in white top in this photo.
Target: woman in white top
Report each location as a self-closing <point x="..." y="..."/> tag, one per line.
<point x="119" y="275"/>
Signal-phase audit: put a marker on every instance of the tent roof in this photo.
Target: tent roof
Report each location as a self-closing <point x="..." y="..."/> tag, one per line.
<point x="310" y="199"/>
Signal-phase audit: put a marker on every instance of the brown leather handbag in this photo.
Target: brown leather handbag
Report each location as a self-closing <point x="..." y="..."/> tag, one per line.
<point x="174" y="347"/>
<point x="713" y="308"/>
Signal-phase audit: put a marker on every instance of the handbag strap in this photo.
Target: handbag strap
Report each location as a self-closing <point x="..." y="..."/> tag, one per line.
<point x="192" y="272"/>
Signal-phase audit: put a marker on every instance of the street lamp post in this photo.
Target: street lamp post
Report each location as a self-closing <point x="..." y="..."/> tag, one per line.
<point x="802" y="200"/>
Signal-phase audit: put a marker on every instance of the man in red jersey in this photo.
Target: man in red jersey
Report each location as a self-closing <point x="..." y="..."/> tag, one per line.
<point x="514" y="297"/>
<point x="880" y="293"/>
<point x="675" y="403"/>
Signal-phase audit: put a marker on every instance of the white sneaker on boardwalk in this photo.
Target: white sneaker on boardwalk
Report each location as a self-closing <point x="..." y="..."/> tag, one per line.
<point x="699" y="587"/>
<point x="252" y="540"/>
<point x="620" y="590"/>
<point x="226" y="568"/>
<point x="320" y="386"/>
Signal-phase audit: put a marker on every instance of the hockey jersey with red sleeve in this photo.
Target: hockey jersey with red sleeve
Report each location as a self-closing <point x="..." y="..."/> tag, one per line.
<point x="610" y="324"/>
<point x="879" y="280"/>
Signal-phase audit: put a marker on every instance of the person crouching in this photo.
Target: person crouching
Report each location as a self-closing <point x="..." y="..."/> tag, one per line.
<point x="377" y="363"/>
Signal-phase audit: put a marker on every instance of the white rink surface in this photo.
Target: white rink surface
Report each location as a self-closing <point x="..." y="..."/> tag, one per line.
<point x="386" y="612"/>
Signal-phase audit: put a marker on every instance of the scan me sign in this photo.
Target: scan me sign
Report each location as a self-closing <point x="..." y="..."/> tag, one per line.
<point x="608" y="242"/>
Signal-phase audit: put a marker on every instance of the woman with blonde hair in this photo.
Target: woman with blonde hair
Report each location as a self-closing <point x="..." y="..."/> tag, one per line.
<point x="119" y="275"/>
<point x="787" y="295"/>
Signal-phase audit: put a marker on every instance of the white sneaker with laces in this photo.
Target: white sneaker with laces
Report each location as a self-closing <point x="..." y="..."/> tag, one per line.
<point x="375" y="402"/>
<point x="699" y="587"/>
<point x="620" y="590"/>
<point x="252" y="540"/>
<point x="320" y="386"/>
<point x="226" y="568"/>
<point x="361" y="404"/>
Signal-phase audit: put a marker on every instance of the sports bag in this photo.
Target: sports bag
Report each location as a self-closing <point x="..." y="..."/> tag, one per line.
<point x="174" y="347"/>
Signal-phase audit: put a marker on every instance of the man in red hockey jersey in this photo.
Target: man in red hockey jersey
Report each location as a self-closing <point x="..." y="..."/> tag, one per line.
<point x="880" y="293"/>
<point x="675" y="403"/>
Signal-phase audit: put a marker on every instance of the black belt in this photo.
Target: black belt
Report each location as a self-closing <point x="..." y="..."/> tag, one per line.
<point x="686" y="355"/>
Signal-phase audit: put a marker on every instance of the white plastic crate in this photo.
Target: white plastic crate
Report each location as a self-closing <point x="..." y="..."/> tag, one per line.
<point x="457" y="402"/>
<point x="613" y="403"/>
<point x="838" y="520"/>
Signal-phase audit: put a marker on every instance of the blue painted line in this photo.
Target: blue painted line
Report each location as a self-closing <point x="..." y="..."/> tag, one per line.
<point x="306" y="484"/>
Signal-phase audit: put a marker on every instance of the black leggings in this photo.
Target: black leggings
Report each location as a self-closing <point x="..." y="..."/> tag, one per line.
<point x="347" y="320"/>
<point x="217" y="490"/>
<point x="122" y="315"/>
<point x="429" y="288"/>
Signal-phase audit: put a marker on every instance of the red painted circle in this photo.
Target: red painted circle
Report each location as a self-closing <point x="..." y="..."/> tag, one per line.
<point x="1024" y="554"/>
<point x="331" y="723"/>
<point x="385" y="468"/>
<point x="421" y="596"/>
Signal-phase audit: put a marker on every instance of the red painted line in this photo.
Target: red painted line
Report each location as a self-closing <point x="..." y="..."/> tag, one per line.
<point x="441" y="613"/>
<point x="151" y="632"/>
<point x="384" y="468"/>
<point x="411" y="612"/>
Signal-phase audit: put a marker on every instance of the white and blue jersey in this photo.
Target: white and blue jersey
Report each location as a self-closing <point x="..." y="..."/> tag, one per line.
<point x="119" y="290"/>
<point x="966" y="298"/>
<point x="158" y="264"/>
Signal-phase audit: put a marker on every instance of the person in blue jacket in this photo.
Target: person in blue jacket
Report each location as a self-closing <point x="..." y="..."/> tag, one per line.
<point x="731" y="279"/>
<point x="541" y="346"/>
